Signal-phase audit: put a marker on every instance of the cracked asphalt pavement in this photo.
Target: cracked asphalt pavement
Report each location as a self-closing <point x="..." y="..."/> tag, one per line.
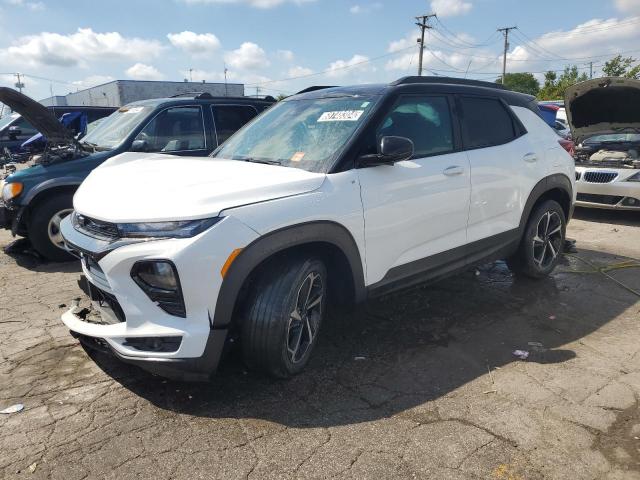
<point x="423" y="384"/>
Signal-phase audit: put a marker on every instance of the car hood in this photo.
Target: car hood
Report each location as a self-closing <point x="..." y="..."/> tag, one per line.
<point x="603" y="106"/>
<point x="37" y="115"/>
<point x="139" y="187"/>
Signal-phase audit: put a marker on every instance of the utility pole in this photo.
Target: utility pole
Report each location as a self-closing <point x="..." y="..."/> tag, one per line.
<point x="590" y="70"/>
<point x="257" y="90"/>
<point x="423" y="23"/>
<point x="226" y="90"/>
<point x="191" y="74"/>
<point x="19" y="85"/>
<point x="505" y="31"/>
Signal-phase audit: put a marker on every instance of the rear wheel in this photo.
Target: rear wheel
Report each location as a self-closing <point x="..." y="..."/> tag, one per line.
<point x="44" y="226"/>
<point x="283" y="316"/>
<point x="542" y="242"/>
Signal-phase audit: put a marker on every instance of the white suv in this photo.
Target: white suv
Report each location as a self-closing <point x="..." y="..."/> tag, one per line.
<point x="331" y="195"/>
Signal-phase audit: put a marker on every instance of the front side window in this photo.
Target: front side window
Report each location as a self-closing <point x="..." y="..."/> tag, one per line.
<point x="229" y="119"/>
<point x="174" y="129"/>
<point x="425" y="120"/>
<point x="485" y="122"/>
<point x="308" y="133"/>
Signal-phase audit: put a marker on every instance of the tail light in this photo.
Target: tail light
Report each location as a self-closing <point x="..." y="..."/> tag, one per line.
<point x="568" y="145"/>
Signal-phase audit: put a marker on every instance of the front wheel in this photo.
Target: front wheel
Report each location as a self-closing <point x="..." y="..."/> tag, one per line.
<point x="542" y="242"/>
<point x="283" y="316"/>
<point x="44" y="227"/>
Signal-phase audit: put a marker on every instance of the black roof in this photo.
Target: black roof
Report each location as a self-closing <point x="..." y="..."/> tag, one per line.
<point x="197" y="97"/>
<point x="415" y="84"/>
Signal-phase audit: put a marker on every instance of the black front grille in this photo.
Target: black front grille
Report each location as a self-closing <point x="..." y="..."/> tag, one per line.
<point x="599" y="177"/>
<point x="94" y="227"/>
<point x="603" y="199"/>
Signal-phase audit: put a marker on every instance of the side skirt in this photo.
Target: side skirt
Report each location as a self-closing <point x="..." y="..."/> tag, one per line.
<point x="446" y="263"/>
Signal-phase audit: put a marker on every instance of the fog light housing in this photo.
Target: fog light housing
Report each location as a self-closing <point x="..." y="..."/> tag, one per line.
<point x="159" y="280"/>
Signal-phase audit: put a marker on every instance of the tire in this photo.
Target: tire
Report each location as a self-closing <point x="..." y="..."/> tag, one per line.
<point x="542" y="243"/>
<point x="43" y="227"/>
<point x="277" y="338"/>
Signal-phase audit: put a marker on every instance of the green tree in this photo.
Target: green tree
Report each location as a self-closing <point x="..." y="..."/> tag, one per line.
<point x="521" y="82"/>
<point x="554" y="86"/>
<point x="620" y="66"/>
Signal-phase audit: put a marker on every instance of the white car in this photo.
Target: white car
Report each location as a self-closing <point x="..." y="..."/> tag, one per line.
<point x="332" y="195"/>
<point x="604" y="115"/>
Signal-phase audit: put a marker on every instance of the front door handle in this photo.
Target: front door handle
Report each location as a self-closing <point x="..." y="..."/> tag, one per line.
<point x="454" y="170"/>
<point x="530" y="157"/>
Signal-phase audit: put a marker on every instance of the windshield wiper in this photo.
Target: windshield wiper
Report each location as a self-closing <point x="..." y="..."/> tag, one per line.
<point x="261" y="160"/>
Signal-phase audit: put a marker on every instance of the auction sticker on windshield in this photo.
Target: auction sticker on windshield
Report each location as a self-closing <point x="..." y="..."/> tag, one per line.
<point x="341" y="116"/>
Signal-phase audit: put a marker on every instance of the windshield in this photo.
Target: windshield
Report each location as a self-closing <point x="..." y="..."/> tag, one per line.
<point x="7" y="119"/>
<point x="114" y="129"/>
<point x="304" y="134"/>
<point x="614" y="137"/>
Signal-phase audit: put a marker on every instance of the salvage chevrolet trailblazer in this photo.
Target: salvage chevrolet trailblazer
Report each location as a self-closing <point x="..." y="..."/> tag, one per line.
<point x="332" y="195"/>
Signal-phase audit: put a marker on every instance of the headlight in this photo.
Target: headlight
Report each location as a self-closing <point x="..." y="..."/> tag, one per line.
<point x="11" y="190"/>
<point x="634" y="178"/>
<point x="181" y="229"/>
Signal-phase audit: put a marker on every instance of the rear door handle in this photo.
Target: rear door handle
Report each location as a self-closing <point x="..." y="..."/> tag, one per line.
<point x="454" y="170"/>
<point x="530" y="157"/>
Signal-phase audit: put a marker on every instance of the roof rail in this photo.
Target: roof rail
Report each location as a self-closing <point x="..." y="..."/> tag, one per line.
<point x="449" y="80"/>
<point x="192" y="94"/>
<point x="314" y="88"/>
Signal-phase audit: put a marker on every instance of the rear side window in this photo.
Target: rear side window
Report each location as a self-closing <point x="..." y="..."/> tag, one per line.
<point x="485" y="122"/>
<point x="229" y="118"/>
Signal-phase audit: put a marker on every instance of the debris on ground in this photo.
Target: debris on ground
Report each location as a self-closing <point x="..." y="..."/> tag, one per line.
<point x="552" y="317"/>
<point x="570" y="246"/>
<point x="359" y="358"/>
<point x="13" y="408"/>
<point x="32" y="467"/>
<point x="521" y="354"/>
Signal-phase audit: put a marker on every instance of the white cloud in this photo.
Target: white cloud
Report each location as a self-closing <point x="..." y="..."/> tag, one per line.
<point x="628" y="6"/>
<point x="92" y="81"/>
<point x="298" y="71"/>
<point x="357" y="9"/>
<point x="249" y="56"/>
<point x="286" y="55"/>
<point x="33" y="6"/>
<point x="78" y="48"/>
<point x="194" y="43"/>
<point x="340" y="68"/>
<point x="450" y="8"/>
<point x="140" y="71"/>
<point x="253" y="3"/>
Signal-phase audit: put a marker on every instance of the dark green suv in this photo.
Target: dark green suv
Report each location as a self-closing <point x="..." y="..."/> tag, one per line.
<point x="35" y="199"/>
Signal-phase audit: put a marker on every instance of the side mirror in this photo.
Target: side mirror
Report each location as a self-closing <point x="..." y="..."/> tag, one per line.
<point x="14" y="132"/>
<point x="139" y="146"/>
<point x="391" y="150"/>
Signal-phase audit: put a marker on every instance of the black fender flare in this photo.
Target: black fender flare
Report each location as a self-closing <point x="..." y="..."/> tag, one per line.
<point x="48" y="185"/>
<point x="277" y="241"/>
<point x="555" y="181"/>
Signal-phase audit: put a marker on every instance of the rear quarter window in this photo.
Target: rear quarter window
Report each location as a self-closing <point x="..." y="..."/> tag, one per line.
<point x="486" y="122"/>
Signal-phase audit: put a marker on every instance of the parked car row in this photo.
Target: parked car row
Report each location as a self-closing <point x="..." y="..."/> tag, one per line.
<point x="331" y="196"/>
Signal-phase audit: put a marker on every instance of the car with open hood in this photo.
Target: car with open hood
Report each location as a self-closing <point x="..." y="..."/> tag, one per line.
<point x="604" y="116"/>
<point x="36" y="199"/>
<point x="332" y="195"/>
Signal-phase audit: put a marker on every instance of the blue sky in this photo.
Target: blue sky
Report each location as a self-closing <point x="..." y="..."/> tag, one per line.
<point x="65" y="45"/>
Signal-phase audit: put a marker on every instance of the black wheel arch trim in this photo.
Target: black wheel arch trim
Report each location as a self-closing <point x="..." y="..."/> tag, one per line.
<point x="278" y="241"/>
<point x="551" y="182"/>
<point x="49" y="185"/>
